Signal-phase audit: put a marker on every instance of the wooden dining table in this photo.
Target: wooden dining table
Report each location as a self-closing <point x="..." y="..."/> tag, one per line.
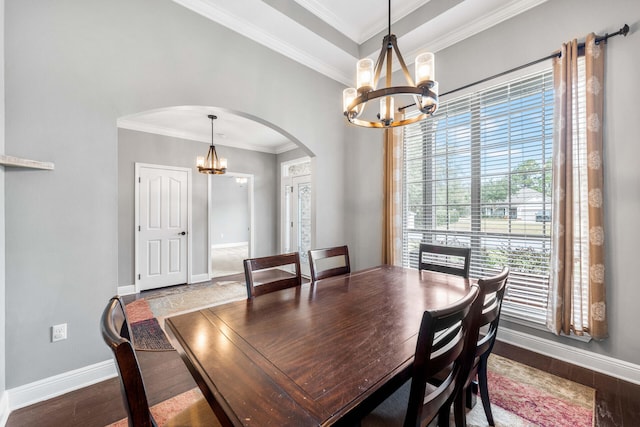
<point x="321" y="354"/>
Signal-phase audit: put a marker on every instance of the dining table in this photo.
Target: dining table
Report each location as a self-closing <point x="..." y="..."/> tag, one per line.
<point x="320" y="354"/>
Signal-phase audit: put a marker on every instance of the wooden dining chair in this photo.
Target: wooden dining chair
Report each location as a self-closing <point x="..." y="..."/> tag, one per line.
<point x="270" y="275"/>
<point x="329" y="262"/>
<point x="491" y="294"/>
<point x="444" y="259"/>
<point x="117" y="335"/>
<point x="443" y="345"/>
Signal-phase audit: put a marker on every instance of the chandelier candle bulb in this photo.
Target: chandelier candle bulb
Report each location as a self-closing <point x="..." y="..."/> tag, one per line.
<point x="425" y="69"/>
<point x="428" y="101"/>
<point x="348" y="95"/>
<point x="386" y="114"/>
<point x="365" y="75"/>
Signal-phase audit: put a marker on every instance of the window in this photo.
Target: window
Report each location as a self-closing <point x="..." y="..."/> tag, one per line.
<point x="478" y="174"/>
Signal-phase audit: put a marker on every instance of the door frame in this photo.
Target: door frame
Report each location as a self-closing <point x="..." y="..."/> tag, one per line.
<point x="136" y="224"/>
<point x="250" y="179"/>
<point x="284" y="180"/>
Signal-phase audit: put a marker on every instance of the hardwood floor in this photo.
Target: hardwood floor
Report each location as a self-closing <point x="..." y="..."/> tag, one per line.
<point x="617" y="401"/>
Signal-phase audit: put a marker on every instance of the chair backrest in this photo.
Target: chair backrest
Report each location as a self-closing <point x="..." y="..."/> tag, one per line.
<point x="322" y="262"/>
<point x="443" y="341"/>
<point x="445" y="259"/>
<point x="117" y="335"/>
<point x="275" y="279"/>
<point x="491" y="293"/>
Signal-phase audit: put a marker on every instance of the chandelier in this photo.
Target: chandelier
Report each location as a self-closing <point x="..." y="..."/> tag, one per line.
<point x="424" y="90"/>
<point x="212" y="164"/>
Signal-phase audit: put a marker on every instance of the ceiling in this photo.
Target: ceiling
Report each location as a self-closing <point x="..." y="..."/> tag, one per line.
<point x="328" y="36"/>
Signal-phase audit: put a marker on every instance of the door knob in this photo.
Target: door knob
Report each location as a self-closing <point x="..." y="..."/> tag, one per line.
<point x="183" y="233"/>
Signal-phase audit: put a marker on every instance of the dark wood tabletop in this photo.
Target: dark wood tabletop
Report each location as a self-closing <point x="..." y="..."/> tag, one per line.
<point x="315" y="354"/>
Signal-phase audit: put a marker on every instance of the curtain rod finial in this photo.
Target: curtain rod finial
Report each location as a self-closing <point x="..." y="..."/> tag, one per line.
<point x="624" y="30"/>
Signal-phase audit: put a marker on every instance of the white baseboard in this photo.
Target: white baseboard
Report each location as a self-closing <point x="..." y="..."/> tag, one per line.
<point x="596" y="362"/>
<point x="131" y="289"/>
<point x="229" y="245"/>
<point x="4" y="408"/>
<point x="126" y="290"/>
<point x="197" y="278"/>
<point x="57" y="385"/>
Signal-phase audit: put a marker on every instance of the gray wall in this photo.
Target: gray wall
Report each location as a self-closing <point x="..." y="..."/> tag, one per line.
<point x="230" y="217"/>
<point x="2" y="239"/>
<point x="532" y="35"/>
<point x="144" y="147"/>
<point x="72" y="69"/>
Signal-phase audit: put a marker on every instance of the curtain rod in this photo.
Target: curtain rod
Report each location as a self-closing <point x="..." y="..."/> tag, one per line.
<point x="622" y="31"/>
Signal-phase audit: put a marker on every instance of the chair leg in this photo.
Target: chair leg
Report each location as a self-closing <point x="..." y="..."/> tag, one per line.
<point x="471" y="393"/>
<point x="443" y="415"/>
<point x="459" y="409"/>
<point x="484" y="388"/>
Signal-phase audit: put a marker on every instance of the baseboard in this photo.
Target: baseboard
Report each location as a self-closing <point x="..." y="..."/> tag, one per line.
<point x="57" y="385"/>
<point x="596" y="362"/>
<point x="4" y="408"/>
<point x="197" y="278"/>
<point x="131" y="289"/>
<point x="126" y="290"/>
<point x="229" y="245"/>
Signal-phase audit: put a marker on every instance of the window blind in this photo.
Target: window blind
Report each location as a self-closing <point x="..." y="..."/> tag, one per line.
<point x="478" y="174"/>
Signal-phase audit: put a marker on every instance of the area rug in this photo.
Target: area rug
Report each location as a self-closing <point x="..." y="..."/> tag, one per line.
<point x="167" y="409"/>
<point x="521" y="396"/>
<point x="146" y="315"/>
<point x="537" y="397"/>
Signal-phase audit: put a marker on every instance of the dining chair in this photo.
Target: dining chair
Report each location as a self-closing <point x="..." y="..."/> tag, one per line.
<point x="491" y="294"/>
<point x="117" y="335"/>
<point x="444" y="259"/>
<point x="443" y="345"/>
<point x="270" y="274"/>
<point x="329" y="262"/>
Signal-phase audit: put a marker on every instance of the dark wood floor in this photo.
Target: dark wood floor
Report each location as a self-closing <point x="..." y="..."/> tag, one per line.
<point x="617" y="401"/>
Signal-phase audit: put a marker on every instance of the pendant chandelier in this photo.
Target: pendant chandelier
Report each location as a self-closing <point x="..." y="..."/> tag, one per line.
<point x="424" y="91"/>
<point x="212" y="164"/>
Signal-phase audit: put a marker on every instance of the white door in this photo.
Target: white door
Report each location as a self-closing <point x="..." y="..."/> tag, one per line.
<point x="162" y="241"/>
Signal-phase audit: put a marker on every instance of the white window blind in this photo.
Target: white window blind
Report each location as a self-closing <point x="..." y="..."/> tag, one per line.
<point x="478" y="174"/>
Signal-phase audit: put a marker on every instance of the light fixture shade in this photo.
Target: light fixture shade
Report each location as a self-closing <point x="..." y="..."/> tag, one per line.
<point x="429" y="103"/>
<point x="386" y="114"/>
<point x="365" y="75"/>
<point x="425" y="69"/>
<point x="348" y="95"/>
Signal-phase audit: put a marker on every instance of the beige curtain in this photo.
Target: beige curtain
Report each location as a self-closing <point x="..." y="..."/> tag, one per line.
<point x="575" y="252"/>
<point x="392" y="188"/>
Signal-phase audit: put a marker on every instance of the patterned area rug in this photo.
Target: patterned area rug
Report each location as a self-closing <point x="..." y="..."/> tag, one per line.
<point x="146" y="315"/>
<point x="521" y="396"/>
<point x="167" y="409"/>
<point x="538" y="398"/>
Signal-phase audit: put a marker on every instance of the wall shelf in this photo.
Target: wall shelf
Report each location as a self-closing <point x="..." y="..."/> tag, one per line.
<point x="17" y="162"/>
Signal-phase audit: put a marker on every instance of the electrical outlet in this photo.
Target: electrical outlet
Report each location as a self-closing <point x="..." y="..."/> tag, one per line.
<point x="59" y="332"/>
